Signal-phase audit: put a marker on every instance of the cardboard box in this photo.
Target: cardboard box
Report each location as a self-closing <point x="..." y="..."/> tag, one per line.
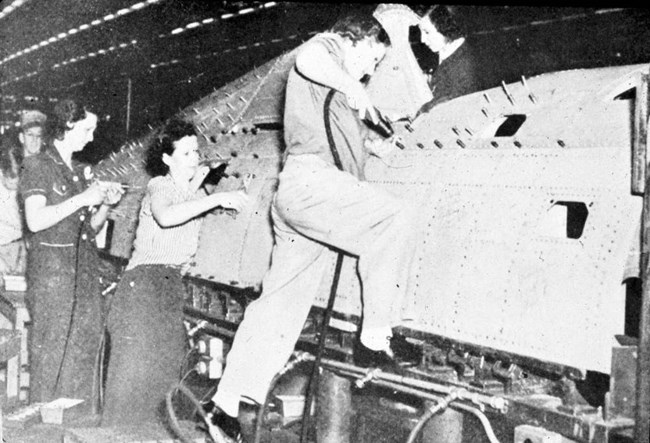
<point x="15" y="283"/>
<point x="290" y="405"/>
<point x="55" y="412"/>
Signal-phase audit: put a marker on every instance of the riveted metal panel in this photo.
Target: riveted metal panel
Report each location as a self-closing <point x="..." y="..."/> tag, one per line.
<point x="496" y="264"/>
<point x="235" y="248"/>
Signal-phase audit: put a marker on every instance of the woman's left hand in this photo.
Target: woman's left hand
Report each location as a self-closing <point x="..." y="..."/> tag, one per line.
<point x="382" y="147"/>
<point x="113" y="192"/>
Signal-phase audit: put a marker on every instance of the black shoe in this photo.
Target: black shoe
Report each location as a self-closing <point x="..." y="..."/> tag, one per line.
<point x="222" y="427"/>
<point x="406" y="353"/>
<point x="367" y="358"/>
<point x="402" y="353"/>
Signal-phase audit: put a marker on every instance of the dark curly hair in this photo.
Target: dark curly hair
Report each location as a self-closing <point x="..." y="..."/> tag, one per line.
<point x="446" y="21"/>
<point x="174" y="130"/>
<point x="357" y="27"/>
<point x="66" y="112"/>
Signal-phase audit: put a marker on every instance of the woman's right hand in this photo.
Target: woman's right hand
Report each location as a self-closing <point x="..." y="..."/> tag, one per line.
<point x="236" y="200"/>
<point x="93" y="195"/>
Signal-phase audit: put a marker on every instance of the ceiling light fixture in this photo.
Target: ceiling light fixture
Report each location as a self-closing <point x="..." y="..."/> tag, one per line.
<point x="83" y="27"/>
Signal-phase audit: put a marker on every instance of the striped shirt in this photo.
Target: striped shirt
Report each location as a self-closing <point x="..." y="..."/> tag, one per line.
<point x="174" y="245"/>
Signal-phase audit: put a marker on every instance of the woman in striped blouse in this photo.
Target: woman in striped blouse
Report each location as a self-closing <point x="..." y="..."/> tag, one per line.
<point x="144" y="323"/>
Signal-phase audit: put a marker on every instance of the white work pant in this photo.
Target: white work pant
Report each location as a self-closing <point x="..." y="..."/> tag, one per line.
<point x="317" y="205"/>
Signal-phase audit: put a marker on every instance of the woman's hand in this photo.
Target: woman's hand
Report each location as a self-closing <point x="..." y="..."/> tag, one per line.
<point x="93" y="195"/>
<point x="113" y="192"/>
<point x="236" y="200"/>
<point x="381" y="147"/>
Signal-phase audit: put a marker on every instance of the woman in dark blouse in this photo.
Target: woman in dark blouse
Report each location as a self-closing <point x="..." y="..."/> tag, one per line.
<point x="64" y="209"/>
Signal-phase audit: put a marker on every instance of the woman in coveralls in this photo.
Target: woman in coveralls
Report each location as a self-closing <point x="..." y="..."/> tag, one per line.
<point x="64" y="210"/>
<point x="147" y="335"/>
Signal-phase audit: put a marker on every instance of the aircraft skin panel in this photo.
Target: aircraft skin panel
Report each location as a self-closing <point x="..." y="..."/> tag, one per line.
<point x="496" y="266"/>
<point x="268" y="105"/>
<point x="503" y="271"/>
<point x="493" y="249"/>
<point x="127" y="167"/>
<point x="243" y="102"/>
<point x="497" y="175"/>
<point x="236" y="240"/>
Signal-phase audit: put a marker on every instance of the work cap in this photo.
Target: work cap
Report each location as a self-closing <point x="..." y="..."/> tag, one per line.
<point x="32" y="118"/>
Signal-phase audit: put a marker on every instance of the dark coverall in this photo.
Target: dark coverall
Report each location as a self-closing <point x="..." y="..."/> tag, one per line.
<point x="63" y="292"/>
<point x="463" y="72"/>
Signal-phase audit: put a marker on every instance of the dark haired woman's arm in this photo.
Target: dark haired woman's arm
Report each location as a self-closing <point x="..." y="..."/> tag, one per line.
<point x="40" y="216"/>
<point x="168" y="214"/>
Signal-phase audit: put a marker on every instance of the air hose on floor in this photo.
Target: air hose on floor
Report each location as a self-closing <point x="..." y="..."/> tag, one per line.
<point x="172" y="414"/>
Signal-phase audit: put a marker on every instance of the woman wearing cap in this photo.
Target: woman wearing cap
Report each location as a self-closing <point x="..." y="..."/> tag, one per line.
<point x="14" y="149"/>
<point x="12" y="246"/>
<point x="32" y="127"/>
<point x="64" y="210"/>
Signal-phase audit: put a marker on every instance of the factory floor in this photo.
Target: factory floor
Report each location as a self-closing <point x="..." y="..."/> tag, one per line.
<point x="87" y="432"/>
<point x="40" y="433"/>
<point x="35" y="432"/>
<point x="84" y="429"/>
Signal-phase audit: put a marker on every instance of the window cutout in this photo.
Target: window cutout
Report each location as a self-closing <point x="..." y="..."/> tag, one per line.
<point x="511" y="125"/>
<point x="566" y="219"/>
<point x="104" y="237"/>
<point x="269" y="126"/>
<point x="629" y="94"/>
<point x="577" y="213"/>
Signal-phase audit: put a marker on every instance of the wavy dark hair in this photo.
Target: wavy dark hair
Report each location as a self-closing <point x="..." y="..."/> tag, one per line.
<point x="66" y="112"/>
<point x="446" y="21"/>
<point x="174" y="130"/>
<point x="357" y="27"/>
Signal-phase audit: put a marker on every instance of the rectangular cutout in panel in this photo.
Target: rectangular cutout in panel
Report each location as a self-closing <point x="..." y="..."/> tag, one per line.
<point x="565" y="219"/>
<point x="629" y="94"/>
<point x="510" y="125"/>
<point x="105" y="235"/>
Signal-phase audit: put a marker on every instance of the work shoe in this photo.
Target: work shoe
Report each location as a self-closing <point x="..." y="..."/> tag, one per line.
<point x="401" y="353"/>
<point x="222" y="427"/>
